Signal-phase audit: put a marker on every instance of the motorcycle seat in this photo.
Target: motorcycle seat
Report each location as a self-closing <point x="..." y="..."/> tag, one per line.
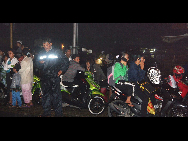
<point x="69" y="84"/>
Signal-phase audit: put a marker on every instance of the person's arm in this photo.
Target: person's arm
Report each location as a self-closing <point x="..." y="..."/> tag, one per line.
<point x="64" y="64"/>
<point x="78" y="67"/>
<point x="118" y="72"/>
<point x="132" y="74"/>
<point x="24" y="66"/>
<point x="141" y="75"/>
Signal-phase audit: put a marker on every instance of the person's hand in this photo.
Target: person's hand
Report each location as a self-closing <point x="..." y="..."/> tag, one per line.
<point x="88" y="68"/>
<point x="142" y="65"/>
<point x="42" y="62"/>
<point x="59" y="73"/>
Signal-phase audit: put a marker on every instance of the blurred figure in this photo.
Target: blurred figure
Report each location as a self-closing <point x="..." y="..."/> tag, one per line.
<point x="178" y="72"/>
<point x="3" y="71"/>
<point x="52" y="63"/>
<point x="73" y="67"/>
<point x="8" y="66"/>
<point x="26" y="73"/>
<point x="95" y="69"/>
<point x="15" y="86"/>
<point x="1" y="56"/>
<point x="19" y="49"/>
<point x="68" y="54"/>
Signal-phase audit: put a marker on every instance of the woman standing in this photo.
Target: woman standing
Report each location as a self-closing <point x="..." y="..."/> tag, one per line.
<point x="26" y="73"/>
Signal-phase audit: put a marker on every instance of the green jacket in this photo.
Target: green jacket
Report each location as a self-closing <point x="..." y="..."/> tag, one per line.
<point x="120" y="73"/>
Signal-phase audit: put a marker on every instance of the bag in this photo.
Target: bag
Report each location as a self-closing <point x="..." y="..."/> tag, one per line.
<point x="110" y="75"/>
<point x="150" y="108"/>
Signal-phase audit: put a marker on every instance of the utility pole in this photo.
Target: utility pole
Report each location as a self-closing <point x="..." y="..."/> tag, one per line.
<point x="75" y="38"/>
<point x="11" y="27"/>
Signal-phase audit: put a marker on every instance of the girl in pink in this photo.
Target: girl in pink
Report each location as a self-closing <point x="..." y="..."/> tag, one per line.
<point x="26" y="73"/>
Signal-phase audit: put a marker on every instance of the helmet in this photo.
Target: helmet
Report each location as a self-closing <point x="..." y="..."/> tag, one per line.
<point x="178" y="70"/>
<point x="154" y="75"/>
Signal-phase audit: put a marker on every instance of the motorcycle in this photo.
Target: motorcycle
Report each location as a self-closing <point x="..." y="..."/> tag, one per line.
<point x="168" y="102"/>
<point x="36" y="90"/>
<point x="92" y="98"/>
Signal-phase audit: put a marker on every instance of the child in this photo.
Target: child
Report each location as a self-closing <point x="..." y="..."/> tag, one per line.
<point x="15" y="86"/>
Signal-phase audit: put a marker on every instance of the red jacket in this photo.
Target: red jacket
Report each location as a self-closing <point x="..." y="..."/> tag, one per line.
<point x="182" y="86"/>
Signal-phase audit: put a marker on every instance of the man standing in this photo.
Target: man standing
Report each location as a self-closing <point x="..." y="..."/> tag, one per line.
<point x="19" y="49"/>
<point x="52" y="64"/>
<point x="68" y="54"/>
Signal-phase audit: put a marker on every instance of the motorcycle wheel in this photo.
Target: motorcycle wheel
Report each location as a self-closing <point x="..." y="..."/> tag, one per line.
<point x="96" y="105"/>
<point x="126" y="112"/>
<point x="177" y="112"/>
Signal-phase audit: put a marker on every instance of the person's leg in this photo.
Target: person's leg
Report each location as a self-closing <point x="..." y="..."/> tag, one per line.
<point x="9" y="92"/>
<point x="13" y="98"/>
<point x="127" y="89"/>
<point x="46" y="100"/>
<point x="144" y="99"/>
<point x="18" y="98"/>
<point x="30" y="94"/>
<point x="25" y="94"/>
<point x="56" y="98"/>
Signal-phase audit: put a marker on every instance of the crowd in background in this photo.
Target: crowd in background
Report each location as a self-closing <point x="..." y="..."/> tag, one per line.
<point x="17" y="74"/>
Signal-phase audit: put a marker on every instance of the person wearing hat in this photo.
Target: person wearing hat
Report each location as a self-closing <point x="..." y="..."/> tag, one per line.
<point x="8" y="68"/>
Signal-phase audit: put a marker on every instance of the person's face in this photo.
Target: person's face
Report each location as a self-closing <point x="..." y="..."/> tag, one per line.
<point x="6" y="58"/>
<point x="143" y="60"/>
<point x="11" y="54"/>
<point x="68" y="53"/>
<point x="14" y="70"/>
<point x="18" y="44"/>
<point x="87" y="64"/>
<point x="127" y="57"/>
<point x="77" y="59"/>
<point x="47" y="46"/>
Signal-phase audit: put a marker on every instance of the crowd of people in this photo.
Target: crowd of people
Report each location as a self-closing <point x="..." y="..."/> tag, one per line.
<point x="18" y="75"/>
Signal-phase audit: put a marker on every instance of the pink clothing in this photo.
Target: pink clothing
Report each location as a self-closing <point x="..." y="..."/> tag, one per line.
<point x="26" y="92"/>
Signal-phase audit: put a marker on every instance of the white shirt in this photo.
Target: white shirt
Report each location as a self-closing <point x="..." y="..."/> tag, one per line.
<point x="26" y="71"/>
<point x="13" y="62"/>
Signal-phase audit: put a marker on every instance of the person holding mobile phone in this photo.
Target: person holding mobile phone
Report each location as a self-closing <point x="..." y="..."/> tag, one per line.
<point x="136" y="74"/>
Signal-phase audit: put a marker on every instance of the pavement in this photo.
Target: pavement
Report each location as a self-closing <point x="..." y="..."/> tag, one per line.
<point x="37" y="110"/>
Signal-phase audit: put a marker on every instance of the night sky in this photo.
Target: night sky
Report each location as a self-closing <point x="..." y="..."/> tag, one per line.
<point x="96" y="36"/>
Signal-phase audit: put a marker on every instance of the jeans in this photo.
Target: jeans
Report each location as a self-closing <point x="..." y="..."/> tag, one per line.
<point x="16" y="96"/>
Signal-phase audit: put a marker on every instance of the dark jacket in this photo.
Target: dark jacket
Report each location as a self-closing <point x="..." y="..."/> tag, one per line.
<point x="55" y="61"/>
<point x="72" y="71"/>
<point x="98" y="72"/>
<point x="135" y="73"/>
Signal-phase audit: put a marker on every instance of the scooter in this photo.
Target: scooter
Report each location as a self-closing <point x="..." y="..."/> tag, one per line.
<point x="89" y="97"/>
<point x="168" y="101"/>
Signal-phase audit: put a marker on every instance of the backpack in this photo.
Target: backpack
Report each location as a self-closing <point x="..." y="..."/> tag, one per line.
<point x="110" y="74"/>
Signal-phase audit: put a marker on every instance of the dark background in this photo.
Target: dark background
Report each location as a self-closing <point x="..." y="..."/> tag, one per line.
<point x="95" y="36"/>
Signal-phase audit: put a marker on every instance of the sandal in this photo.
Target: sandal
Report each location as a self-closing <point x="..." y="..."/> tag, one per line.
<point x="26" y="106"/>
